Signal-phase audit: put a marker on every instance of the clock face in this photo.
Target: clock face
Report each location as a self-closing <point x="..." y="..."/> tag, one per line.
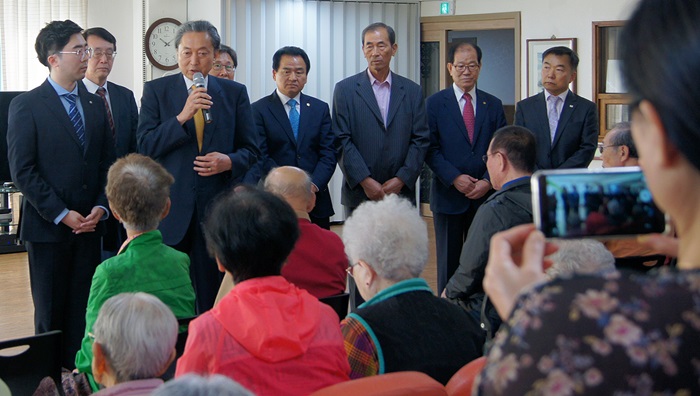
<point x="160" y="43"/>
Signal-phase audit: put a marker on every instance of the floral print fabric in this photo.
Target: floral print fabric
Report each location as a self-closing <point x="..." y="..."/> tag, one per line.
<point x="619" y="333"/>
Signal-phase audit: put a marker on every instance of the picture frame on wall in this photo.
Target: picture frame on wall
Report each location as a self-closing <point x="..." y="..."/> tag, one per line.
<point x="535" y="49"/>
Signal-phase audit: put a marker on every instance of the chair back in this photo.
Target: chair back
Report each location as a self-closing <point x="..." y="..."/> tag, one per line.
<point x="339" y="303"/>
<point x="462" y="381"/>
<point x="640" y="263"/>
<point x="402" y="383"/>
<point x="179" y="347"/>
<point x="23" y="371"/>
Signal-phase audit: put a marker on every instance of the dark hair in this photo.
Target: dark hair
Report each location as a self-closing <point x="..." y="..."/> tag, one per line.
<point x="453" y="50"/>
<point x="199" y="26"/>
<point x="622" y="136"/>
<point x="53" y="37"/>
<point x="291" y="51"/>
<point x="518" y="145"/>
<point x="101" y="33"/>
<point x="561" y="51"/>
<point x="379" y="25"/>
<point x="251" y="232"/>
<point x="231" y="52"/>
<point x="660" y="52"/>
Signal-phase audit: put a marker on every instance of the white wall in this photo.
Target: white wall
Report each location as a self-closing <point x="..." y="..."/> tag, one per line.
<point x="541" y="19"/>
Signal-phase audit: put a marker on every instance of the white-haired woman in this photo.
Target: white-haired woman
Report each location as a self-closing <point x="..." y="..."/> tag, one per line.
<point x="402" y="326"/>
<point x="135" y="335"/>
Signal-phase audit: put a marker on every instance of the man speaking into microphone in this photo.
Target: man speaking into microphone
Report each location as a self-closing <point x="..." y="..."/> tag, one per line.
<point x="200" y="128"/>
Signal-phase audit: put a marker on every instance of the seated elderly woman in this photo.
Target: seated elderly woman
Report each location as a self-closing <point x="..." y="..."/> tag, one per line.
<point x="267" y="334"/>
<point x="580" y="256"/>
<point x="402" y="326"/>
<point x="135" y="335"/>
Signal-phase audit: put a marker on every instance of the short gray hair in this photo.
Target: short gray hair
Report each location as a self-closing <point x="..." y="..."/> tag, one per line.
<point x="580" y="256"/>
<point x="137" y="333"/>
<point x="390" y="236"/>
<point x="199" y="26"/>
<point x="194" y="385"/>
<point x="289" y="187"/>
<point x="622" y="136"/>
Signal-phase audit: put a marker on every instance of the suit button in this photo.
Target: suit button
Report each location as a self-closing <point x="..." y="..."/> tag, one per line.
<point x="298" y="156"/>
<point x="84" y="186"/>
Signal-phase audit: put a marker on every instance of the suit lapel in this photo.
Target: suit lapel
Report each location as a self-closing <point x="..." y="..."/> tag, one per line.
<point x="566" y="111"/>
<point x="304" y="116"/>
<point x="213" y="89"/>
<point x="541" y="111"/>
<point x="89" y="114"/>
<point x="481" y="109"/>
<point x="278" y="111"/>
<point x="453" y="110"/>
<point x="55" y="105"/>
<point x="116" y="103"/>
<point x="364" y="89"/>
<point x="395" y="99"/>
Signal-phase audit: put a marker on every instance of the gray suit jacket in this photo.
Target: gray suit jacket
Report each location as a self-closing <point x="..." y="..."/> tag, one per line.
<point x="367" y="147"/>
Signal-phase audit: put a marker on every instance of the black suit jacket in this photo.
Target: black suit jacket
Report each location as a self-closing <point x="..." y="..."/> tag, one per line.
<point x="160" y="136"/>
<point x="367" y="147"/>
<point x="49" y="165"/>
<point x="126" y="118"/>
<point x="576" y="138"/>
<point x="312" y="151"/>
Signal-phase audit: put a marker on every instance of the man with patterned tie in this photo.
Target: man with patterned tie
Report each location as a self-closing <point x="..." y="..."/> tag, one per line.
<point x="565" y="125"/>
<point x="462" y="120"/>
<point x="205" y="158"/>
<point x="122" y="113"/>
<point x="60" y="148"/>
<point x="295" y="130"/>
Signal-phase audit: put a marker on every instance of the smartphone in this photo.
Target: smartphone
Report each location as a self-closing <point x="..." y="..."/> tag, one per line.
<point x="603" y="203"/>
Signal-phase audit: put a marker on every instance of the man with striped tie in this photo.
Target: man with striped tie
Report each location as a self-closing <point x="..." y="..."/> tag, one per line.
<point x="60" y="148"/>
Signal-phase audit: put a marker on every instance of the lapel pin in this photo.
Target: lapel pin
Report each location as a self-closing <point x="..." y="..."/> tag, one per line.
<point x="483" y="102"/>
<point x="308" y="104"/>
<point x="572" y="106"/>
<point x="90" y="101"/>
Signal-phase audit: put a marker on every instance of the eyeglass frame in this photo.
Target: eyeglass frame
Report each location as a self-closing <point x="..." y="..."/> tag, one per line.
<point x="110" y="56"/>
<point x="603" y="147"/>
<point x="226" y="67"/>
<point x="486" y="156"/>
<point x="349" y="269"/>
<point x="472" y="67"/>
<point x="79" y="53"/>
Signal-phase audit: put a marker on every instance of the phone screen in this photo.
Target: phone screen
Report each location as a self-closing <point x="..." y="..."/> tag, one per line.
<point x="594" y="202"/>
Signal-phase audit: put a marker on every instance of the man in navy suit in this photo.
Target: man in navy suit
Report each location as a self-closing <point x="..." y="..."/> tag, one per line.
<point x="298" y="135"/>
<point x="380" y="124"/>
<point x="59" y="149"/>
<point x="565" y="125"/>
<point x="205" y="158"/>
<point x="122" y="114"/>
<point x="462" y="120"/>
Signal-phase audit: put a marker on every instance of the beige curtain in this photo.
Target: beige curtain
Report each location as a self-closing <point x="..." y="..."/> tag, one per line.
<point x="20" y="22"/>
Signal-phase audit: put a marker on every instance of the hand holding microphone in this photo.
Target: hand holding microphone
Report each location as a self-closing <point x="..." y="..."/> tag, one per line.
<point x="199" y="83"/>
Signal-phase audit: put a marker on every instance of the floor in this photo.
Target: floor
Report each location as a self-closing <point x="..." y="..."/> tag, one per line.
<point x="16" y="311"/>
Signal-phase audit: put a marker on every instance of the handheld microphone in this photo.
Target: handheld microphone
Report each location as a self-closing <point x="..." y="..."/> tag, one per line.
<point x="199" y="83"/>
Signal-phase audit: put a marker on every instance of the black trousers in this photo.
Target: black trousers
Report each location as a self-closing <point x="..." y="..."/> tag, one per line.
<point x="60" y="275"/>
<point x="450" y="234"/>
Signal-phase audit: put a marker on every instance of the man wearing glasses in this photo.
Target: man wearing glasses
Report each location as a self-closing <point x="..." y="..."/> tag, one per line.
<point x="225" y="63"/>
<point x="122" y="113"/>
<point x="60" y="148"/>
<point x="462" y="120"/>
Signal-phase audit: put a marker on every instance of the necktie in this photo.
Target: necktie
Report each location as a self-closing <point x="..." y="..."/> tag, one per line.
<point x="553" y="115"/>
<point x="199" y="126"/>
<point x="103" y="94"/>
<point x="294" y="117"/>
<point x="75" y="118"/>
<point x="468" y="116"/>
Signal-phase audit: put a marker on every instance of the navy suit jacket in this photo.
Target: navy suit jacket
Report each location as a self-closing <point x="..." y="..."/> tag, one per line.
<point x="49" y="165"/>
<point x="367" y="147"/>
<point x="576" y="138"/>
<point x="161" y="137"/>
<point x="451" y="153"/>
<point x="126" y="118"/>
<point x="312" y="151"/>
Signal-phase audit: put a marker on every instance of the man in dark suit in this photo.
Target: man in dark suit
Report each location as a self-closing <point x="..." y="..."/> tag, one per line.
<point x="205" y="158"/>
<point x="380" y="124"/>
<point x="462" y="120"/>
<point x="298" y="135"/>
<point x="60" y="148"/>
<point x="122" y="114"/>
<point x="565" y="125"/>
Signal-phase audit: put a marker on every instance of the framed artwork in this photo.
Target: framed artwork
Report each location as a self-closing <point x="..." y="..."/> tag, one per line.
<point x="535" y="49"/>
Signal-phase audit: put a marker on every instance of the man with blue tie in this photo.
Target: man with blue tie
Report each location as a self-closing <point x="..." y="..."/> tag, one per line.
<point x="60" y="148"/>
<point x="462" y="120"/>
<point x="205" y="158"/>
<point x="295" y="130"/>
<point x="122" y="114"/>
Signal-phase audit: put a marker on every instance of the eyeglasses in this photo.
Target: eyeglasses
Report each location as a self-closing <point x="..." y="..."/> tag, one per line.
<point x="289" y="72"/>
<point x="80" y="53"/>
<point x="91" y="336"/>
<point x="219" y="66"/>
<point x="472" y="67"/>
<point x="610" y="145"/>
<point x="486" y="156"/>
<point x="99" y="53"/>
<point x="349" y="269"/>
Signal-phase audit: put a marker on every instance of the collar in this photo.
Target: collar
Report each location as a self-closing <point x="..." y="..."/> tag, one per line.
<point x="284" y="98"/>
<point x="302" y="215"/>
<point x="561" y="95"/>
<point x="405" y="286"/>
<point x="372" y="79"/>
<point x="459" y="93"/>
<point x="189" y="83"/>
<point x="142" y="238"/>
<point x="92" y="87"/>
<point x="60" y="90"/>
<point x="514" y="182"/>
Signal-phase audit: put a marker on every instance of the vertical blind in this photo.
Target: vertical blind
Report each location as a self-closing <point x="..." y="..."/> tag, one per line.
<point x="20" y="22"/>
<point x="329" y="32"/>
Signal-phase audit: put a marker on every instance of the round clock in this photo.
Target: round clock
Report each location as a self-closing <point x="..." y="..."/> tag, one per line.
<point x="160" y="43"/>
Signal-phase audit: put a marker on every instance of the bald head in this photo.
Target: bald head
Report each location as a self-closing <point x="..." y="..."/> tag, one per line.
<point x="292" y="184"/>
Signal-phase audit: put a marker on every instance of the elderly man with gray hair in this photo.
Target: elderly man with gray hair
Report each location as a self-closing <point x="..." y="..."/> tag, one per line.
<point x="135" y="335"/>
<point x="402" y="325"/>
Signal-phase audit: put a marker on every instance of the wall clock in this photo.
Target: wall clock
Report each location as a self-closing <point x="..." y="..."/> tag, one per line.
<point x="159" y="43"/>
